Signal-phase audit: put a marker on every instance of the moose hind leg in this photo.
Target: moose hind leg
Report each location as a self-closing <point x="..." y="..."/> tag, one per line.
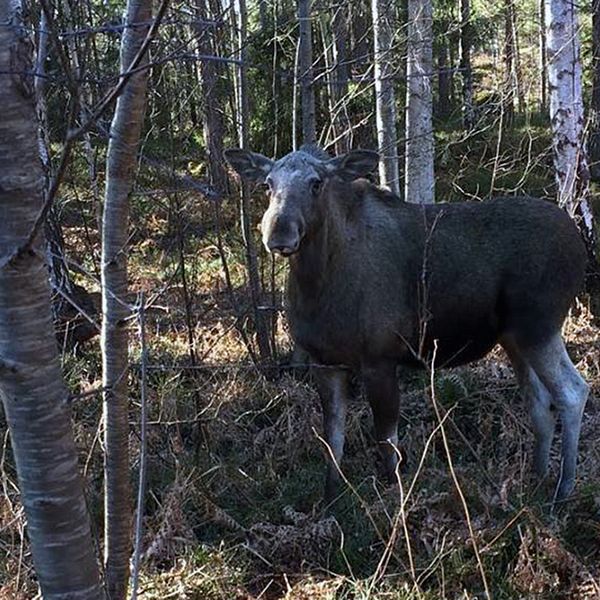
<point x="381" y="387"/>
<point x="569" y="393"/>
<point x="333" y="385"/>
<point x="539" y="401"/>
<point x="543" y="420"/>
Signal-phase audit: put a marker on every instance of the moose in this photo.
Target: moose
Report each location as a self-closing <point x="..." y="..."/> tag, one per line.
<point x="376" y="282"/>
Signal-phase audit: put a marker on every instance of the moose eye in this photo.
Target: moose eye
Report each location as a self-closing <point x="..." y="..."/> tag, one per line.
<point x="316" y="187"/>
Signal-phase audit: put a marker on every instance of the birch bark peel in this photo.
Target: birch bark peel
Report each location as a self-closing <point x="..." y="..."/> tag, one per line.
<point x="31" y="385"/>
<point x="125" y="133"/>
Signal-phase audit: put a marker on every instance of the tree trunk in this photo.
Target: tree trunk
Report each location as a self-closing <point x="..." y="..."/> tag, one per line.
<point x="508" y="96"/>
<point x="466" y="37"/>
<point x="263" y="15"/>
<point x="31" y="385"/>
<point x="566" y="114"/>
<point x="517" y="71"/>
<point x="305" y="73"/>
<point x="72" y="306"/>
<point x="385" y="102"/>
<point x="542" y="59"/>
<point x="243" y="111"/>
<point x="210" y="73"/>
<point x="594" y="143"/>
<point x="125" y="133"/>
<point x="418" y="171"/>
<point x="444" y="71"/>
<point x="341" y="119"/>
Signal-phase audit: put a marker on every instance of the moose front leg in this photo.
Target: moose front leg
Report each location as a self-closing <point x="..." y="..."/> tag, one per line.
<point x="332" y="385"/>
<point x="381" y="387"/>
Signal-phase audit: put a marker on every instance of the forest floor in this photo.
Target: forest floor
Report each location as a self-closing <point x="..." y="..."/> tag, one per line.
<point x="236" y="462"/>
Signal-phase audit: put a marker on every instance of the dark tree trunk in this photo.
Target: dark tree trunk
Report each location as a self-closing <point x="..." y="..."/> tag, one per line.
<point x="305" y="73"/>
<point x="210" y="75"/>
<point x="543" y="61"/>
<point x="594" y="143"/>
<point x="444" y="71"/>
<point x="466" y="37"/>
<point x="342" y="123"/>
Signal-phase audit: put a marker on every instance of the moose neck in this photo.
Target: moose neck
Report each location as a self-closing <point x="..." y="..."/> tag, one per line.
<point x="309" y="268"/>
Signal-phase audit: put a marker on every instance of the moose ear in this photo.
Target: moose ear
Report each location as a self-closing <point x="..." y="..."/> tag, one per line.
<point x="355" y="164"/>
<point x="249" y="165"/>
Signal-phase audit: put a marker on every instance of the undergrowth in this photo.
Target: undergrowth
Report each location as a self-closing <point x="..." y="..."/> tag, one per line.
<point x="235" y="460"/>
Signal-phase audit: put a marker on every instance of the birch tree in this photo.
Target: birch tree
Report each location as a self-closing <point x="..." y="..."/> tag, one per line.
<point x="125" y="132"/>
<point x="33" y="393"/>
<point x="513" y="76"/>
<point x="566" y="112"/>
<point x="305" y="73"/>
<point x="418" y="173"/>
<point x="385" y="102"/>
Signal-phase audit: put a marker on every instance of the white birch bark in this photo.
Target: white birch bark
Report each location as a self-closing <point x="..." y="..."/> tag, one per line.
<point x="385" y="103"/>
<point x="419" y="182"/>
<point x="566" y="110"/>
<point x="31" y="385"/>
<point x="125" y="132"/>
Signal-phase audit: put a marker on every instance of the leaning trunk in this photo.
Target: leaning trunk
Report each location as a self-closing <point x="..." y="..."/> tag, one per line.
<point x="125" y="132"/>
<point x="385" y="102"/>
<point x="243" y="111"/>
<point x="508" y="97"/>
<point x="418" y="174"/>
<point x="33" y="393"/>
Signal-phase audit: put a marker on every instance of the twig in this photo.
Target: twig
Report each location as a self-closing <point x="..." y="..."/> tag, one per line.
<point x="143" y="439"/>
<point x="116" y="91"/>
<point x="73" y="135"/>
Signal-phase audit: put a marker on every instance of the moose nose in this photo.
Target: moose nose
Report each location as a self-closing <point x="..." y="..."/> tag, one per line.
<point x="282" y="249"/>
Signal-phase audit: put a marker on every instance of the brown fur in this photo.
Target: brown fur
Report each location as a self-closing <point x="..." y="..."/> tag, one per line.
<point x="380" y="278"/>
<point x="375" y="283"/>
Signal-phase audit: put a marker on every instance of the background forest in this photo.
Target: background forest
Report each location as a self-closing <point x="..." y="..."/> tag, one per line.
<point x="152" y="242"/>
